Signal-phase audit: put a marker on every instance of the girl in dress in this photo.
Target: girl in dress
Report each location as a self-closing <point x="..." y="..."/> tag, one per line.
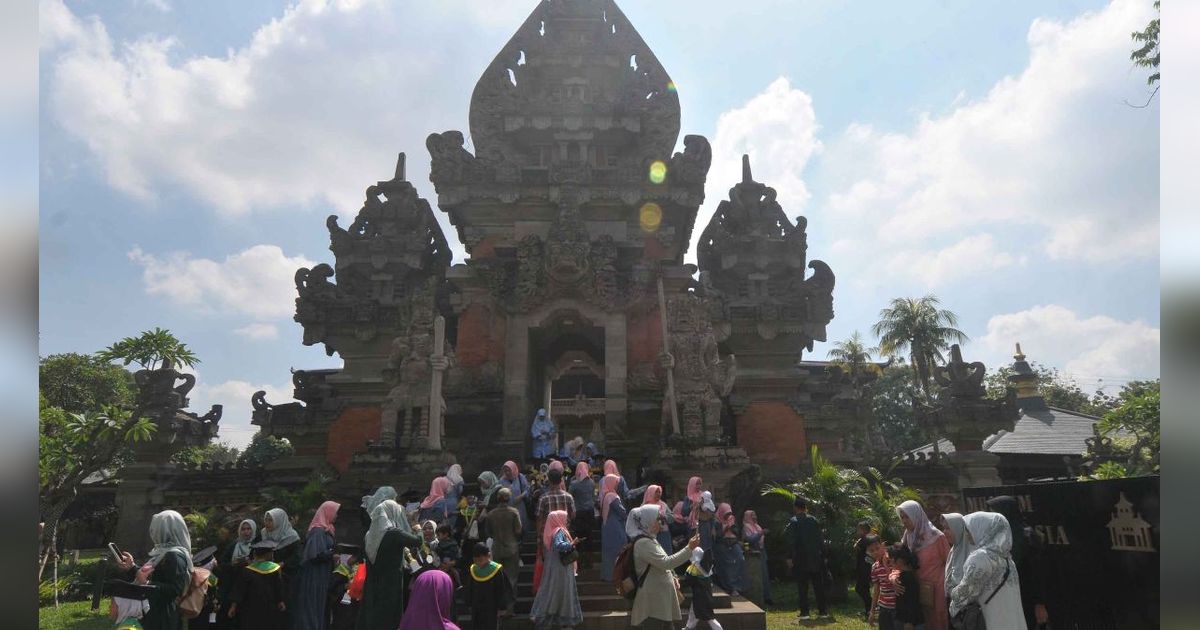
<point x="730" y="558"/>
<point x="557" y="601"/>
<point x="610" y="468"/>
<point x="756" y="537"/>
<point x="309" y="590"/>
<point x="653" y="496"/>
<point x="612" y="528"/>
<point x="932" y="550"/>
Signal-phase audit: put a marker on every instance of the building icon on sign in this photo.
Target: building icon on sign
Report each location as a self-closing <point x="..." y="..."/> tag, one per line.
<point x="1128" y="530"/>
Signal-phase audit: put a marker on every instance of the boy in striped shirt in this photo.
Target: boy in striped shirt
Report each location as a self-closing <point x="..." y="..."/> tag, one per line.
<point x="883" y="601"/>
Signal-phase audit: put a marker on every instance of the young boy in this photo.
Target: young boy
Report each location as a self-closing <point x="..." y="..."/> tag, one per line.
<point x="488" y="592"/>
<point x="341" y="606"/>
<point x="446" y="549"/>
<point x="258" y="596"/>
<point x="862" y="567"/>
<point x="908" y="602"/>
<point x="698" y="578"/>
<point x="883" y="600"/>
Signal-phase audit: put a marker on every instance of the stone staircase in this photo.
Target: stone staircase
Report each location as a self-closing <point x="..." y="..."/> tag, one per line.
<point x="603" y="608"/>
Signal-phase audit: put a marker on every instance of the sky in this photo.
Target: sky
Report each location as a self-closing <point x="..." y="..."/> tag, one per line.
<point x="987" y="153"/>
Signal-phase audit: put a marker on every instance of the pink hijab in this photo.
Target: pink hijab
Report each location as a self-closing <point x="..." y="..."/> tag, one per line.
<point x="696" y="495"/>
<point x="653" y="496"/>
<point x="923" y="532"/>
<point x="610" y="468"/>
<point x="555" y="521"/>
<point x="430" y="604"/>
<point x="608" y="492"/>
<point x="693" y="489"/>
<point x="510" y="468"/>
<point x="726" y="518"/>
<point x="750" y="526"/>
<point x="437" y="490"/>
<point x="582" y="471"/>
<point x="325" y="516"/>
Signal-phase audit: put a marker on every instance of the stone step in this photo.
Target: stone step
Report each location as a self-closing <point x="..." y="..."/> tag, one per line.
<point x="742" y="615"/>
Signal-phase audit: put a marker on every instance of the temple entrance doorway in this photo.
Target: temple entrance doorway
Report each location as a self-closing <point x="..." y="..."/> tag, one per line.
<point x="567" y="374"/>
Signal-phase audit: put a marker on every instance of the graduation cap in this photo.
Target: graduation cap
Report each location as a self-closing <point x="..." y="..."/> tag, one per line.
<point x="264" y="545"/>
<point x="127" y="590"/>
<point x="203" y="556"/>
<point x="349" y="548"/>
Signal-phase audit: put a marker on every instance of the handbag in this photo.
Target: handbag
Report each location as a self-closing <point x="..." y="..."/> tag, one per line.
<point x="971" y="615"/>
<point x="570" y="557"/>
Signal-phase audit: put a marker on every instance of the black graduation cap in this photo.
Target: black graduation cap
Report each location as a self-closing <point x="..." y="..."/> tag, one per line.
<point x="204" y="555"/>
<point x="264" y="545"/>
<point x="127" y="590"/>
<point x="349" y="548"/>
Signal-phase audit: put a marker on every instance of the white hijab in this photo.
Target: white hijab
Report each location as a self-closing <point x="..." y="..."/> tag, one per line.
<point x="169" y="532"/>
<point x="454" y="474"/>
<point x="923" y="532"/>
<point x="383" y="493"/>
<point x="387" y="515"/>
<point x="241" y="549"/>
<point x="283" y="534"/>
<point x="958" y="553"/>
<point x="640" y="520"/>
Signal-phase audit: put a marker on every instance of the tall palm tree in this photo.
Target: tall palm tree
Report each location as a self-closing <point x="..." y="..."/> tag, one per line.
<point x="920" y="327"/>
<point x="853" y="356"/>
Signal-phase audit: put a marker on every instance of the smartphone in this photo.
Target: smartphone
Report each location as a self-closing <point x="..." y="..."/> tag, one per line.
<point x="115" y="551"/>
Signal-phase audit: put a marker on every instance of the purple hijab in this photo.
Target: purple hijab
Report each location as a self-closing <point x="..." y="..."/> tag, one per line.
<point x="430" y="602"/>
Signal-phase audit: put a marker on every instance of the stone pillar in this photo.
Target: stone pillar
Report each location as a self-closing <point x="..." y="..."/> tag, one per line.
<point x="975" y="469"/>
<point x="615" y="370"/>
<point x="517" y="414"/>
<point x="138" y="498"/>
<point x="754" y="578"/>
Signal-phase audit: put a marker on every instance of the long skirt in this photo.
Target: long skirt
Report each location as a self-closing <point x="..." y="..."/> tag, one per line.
<point x="729" y="569"/>
<point x="557" y="600"/>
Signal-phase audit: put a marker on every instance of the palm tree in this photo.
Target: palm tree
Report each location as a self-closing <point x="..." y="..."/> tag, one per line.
<point x="919" y="326"/>
<point x="853" y="357"/>
<point x="152" y="350"/>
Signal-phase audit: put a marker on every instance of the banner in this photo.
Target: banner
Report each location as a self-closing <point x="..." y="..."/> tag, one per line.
<point x="1101" y="546"/>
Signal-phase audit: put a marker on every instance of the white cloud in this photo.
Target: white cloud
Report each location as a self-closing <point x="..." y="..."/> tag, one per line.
<point x="1086" y="348"/>
<point x="235" y="426"/>
<point x="1052" y="155"/>
<point x="160" y="5"/>
<point x="258" y="281"/>
<point x="778" y="129"/>
<point x="258" y="331"/>
<point x="968" y="257"/>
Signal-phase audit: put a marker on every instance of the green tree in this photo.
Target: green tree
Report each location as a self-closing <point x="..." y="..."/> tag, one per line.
<point x="1057" y="390"/>
<point x="214" y="453"/>
<point x="1147" y="55"/>
<point x="264" y="449"/>
<point x="1137" y="415"/>
<point x="152" y="350"/>
<point x="921" y="328"/>
<point x="83" y="383"/>
<point x="891" y="397"/>
<point x="853" y="356"/>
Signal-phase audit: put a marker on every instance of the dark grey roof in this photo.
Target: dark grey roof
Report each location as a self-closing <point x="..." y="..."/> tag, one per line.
<point x="1049" y="431"/>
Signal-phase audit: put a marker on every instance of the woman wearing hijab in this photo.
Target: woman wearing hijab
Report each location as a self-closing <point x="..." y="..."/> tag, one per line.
<point x="610" y="468"/>
<point x="556" y="604"/>
<point x="309" y="590"/>
<point x="1027" y="555"/>
<point x="277" y="528"/>
<point x="591" y="450"/>
<point x="513" y="479"/>
<point x="571" y="450"/>
<point x="989" y="575"/>
<point x="932" y="550"/>
<point x="489" y="483"/>
<point x="655" y="605"/>
<point x="612" y="525"/>
<point x="431" y="603"/>
<point x="684" y="510"/>
<point x="960" y="548"/>
<point x="433" y="507"/>
<point x="453" y="494"/>
<point x="756" y="537"/>
<point x="235" y="557"/>
<point x="729" y="558"/>
<point x="371" y="500"/>
<point x="383" y="590"/>
<point x="653" y="496"/>
<point x="544" y="435"/>
<point x="707" y="527"/>
<point x="583" y="490"/>
<point x="168" y="571"/>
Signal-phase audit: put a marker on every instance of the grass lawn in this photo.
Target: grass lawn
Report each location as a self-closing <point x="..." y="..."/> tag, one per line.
<point x="74" y="616"/>
<point x="783" y="613"/>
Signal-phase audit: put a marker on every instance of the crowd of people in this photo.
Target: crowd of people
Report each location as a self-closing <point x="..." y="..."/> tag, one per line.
<point x="416" y="555"/>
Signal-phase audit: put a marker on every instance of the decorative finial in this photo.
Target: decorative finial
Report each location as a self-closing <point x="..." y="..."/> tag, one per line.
<point x="747" y="178"/>
<point x="1020" y="356"/>
<point x="400" y="177"/>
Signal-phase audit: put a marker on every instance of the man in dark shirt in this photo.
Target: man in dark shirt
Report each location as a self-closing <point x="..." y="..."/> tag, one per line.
<point x="807" y="565"/>
<point x="862" y="567"/>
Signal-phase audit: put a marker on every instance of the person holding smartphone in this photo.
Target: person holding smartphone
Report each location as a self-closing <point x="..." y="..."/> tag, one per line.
<point x="167" y="572"/>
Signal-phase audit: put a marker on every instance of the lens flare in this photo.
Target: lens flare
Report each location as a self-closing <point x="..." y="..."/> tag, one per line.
<point x="650" y="217"/>
<point x="671" y="87"/>
<point x="658" y="172"/>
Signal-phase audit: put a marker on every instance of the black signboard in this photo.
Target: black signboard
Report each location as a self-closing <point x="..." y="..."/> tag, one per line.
<point x="1101" y="548"/>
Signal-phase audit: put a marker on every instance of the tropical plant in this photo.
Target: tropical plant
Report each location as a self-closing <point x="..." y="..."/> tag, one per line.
<point x="895" y="422"/>
<point x="920" y="327"/>
<point x="264" y="449"/>
<point x="214" y="453"/>
<point x="303" y="503"/>
<point x="842" y="497"/>
<point x="1138" y="416"/>
<point x="1147" y="55"/>
<point x="854" y="357"/>
<point x="83" y="383"/>
<point x="153" y="349"/>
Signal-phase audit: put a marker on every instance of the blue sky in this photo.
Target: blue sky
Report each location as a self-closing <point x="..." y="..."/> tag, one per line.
<point x="980" y="151"/>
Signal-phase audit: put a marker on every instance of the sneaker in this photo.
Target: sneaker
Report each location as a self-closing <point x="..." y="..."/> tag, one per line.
<point x="804" y="617"/>
<point x="826" y="615"/>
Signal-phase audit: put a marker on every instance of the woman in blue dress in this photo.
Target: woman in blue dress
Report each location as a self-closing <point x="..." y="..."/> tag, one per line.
<point x="730" y="567"/>
<point x="612" y="529"/>
<point x="309" y="592"/>
<point x="556" y="604"/>
<point x="512" y="478"/>
<point x="756" y="537"/>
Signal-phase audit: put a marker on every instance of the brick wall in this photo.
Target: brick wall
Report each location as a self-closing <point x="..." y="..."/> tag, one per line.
<point x="349" y="434"/>
<point x="772" y="434"/>
<point x="480" y="337"/>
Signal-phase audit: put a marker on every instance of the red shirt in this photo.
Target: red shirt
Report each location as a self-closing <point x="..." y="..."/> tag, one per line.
<point x="887" y="593"/>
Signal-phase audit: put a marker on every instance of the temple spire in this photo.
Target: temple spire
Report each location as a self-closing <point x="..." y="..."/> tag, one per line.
<point x="1025" y="381"/>
<point x="400" y="175"/>
<point x="747" y="177"/>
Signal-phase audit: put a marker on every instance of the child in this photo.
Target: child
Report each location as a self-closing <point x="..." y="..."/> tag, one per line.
<point x="488" y="593"/>
<point x="908" y="602"/>
<point x="862" y="567"/>
<point x="446" y="549"/>
<point x="341" y="606"/>
<point x="883" y="601"/>
<point x="258" y="595"/>
<point x="129" y="604"/>
<point x="699" y="578"/>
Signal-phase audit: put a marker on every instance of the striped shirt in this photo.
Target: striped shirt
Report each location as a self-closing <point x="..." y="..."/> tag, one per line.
<point x="881" y="575"/>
